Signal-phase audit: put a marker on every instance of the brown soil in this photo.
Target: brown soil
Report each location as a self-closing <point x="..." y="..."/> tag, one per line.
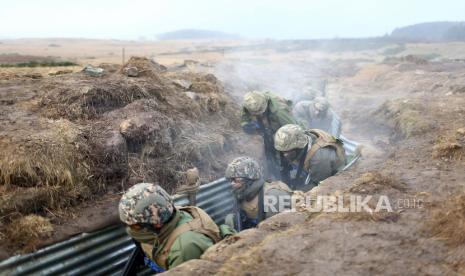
<point x="409" y="114"/>
<point x="71" y="139"/>
<point x="413" y="154"/>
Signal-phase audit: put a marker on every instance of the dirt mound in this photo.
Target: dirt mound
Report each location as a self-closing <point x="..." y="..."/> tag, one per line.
<point x="143" y="67"/>
<point x="42" y="154"/>
<point x="408" y="117"/>
<point x="87" y="100"/>
<point x="374" y="182"/>
<point x="75" y="137"/>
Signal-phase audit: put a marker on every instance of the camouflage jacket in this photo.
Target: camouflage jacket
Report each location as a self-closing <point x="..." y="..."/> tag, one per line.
<point x="277" y="114"/>
<point x="250" y="204"/>
<point x="189" y="245"/>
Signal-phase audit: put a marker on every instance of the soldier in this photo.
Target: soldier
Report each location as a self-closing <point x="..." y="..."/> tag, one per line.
<point x="318" y="114"/>
<point x="250" y="191"/>
<point x="265" y="113"/>
<point x="313" y="155"/>
<point x="168" y="235"/>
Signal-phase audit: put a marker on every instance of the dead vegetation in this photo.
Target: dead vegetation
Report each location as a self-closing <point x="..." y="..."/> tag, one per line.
<point x="448" y="221"/>
<point x="28" y="231"/>
<point x="451" y="147"/>
<point x="78" y="136"/>
<point x="88" y="100"/>
<point x="406" y="116"/>
<point x="374" y="182"/>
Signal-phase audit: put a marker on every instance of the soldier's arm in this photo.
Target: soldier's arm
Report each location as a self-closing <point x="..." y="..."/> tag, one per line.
<point x="189" y="245"/>
<point x="245" y="117"/>
<point x="248" y="124"/>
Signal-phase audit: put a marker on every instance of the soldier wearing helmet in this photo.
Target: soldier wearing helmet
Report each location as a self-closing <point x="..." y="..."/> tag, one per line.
<point x="265" y="113"/>
<point x="250" y="191"/>
<point x="318" y="114"/>
<point x="313" y="154"/>
<point x="168" y="235"/>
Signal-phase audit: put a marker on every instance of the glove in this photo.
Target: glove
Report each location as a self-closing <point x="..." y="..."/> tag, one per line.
<point x="250" y="127"/>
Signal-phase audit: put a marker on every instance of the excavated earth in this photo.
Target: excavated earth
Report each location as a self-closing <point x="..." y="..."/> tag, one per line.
<point x="72" y="143"/>
<point x="109" y="132"/>
<point x="411" y="119"/>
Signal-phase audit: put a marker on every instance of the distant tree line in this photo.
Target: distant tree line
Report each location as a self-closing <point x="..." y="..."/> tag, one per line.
<point x="432" y="31"/>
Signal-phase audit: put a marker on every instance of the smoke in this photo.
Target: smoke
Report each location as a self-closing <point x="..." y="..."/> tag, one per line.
<point x="285" y="78"/>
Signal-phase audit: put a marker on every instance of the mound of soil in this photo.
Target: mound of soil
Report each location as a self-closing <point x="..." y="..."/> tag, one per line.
<point x="76" y="138"/>
<point x="419" y="170"/>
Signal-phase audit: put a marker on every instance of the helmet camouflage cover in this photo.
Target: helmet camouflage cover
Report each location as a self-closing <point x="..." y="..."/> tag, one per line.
<point x="290" y="137"/>
<point x="255" y="102"/>
<point x="244" y="167"/>
<point x="145" y="203"/>
<point x="321" y="104"/>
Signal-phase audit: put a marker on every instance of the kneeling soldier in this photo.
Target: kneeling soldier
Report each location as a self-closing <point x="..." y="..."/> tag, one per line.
<point x="313" y="155"/>
<point x="251" y="192"/>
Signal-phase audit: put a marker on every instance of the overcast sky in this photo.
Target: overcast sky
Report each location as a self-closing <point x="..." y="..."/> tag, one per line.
<point x="248" y="18"/>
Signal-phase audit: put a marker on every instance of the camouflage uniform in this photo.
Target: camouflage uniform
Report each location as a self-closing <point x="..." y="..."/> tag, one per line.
<point x="151" y="207"/>
<point x="265" y="113"/>
<point x="274" y="110"/>
<point x="318" y="115"/>
<point x="250" y="197"/>
<point x="320" y="155"/>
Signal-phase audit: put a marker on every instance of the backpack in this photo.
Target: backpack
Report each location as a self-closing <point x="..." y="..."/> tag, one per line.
<point x="201" y="223"/>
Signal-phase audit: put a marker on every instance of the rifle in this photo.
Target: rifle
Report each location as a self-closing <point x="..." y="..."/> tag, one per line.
<point x="136" y="259"/>
<point x="237" y="215"/>
<point x="270" y="152"/>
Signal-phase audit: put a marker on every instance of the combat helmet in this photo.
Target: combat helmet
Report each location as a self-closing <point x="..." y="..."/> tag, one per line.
<point x="290" y="137"/>
<point x="321" y="104"/>
<point x="145" y="203"/>
<point x="255" y="102"/>
<point x="244" y="167"/>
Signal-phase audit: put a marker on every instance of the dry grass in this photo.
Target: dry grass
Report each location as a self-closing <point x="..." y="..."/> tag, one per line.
<point x="42" y="158"/>
<point x="374" y="182"/>
<point x="89" y="100"/>
<point x="450" y="147"/>
<point x="405" y="116"/>
<point x="47" y="161"/>
<point x="448" y="150"/>
<point x="145" y="67"/>
<point x="448" y="221"/>
<point x="28" y="231"/>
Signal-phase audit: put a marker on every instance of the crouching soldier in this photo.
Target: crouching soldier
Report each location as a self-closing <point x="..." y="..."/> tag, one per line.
<point x="252" y="193"/>
<point x="264" y="113"/>
<point x="168" y="235"/>
<point x="313" y="155"/>
<point x="317" y="114"/>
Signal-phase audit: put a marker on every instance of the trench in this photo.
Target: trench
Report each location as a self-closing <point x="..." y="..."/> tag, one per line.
<point x="106" y="251"/>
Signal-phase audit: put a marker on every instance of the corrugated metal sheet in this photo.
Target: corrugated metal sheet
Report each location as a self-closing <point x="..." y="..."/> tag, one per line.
<point x="105" y="252"/>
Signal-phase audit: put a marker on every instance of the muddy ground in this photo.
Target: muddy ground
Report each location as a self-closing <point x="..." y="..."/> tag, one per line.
<point x="407" y="111"/>
<point x="410" y="118"/>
